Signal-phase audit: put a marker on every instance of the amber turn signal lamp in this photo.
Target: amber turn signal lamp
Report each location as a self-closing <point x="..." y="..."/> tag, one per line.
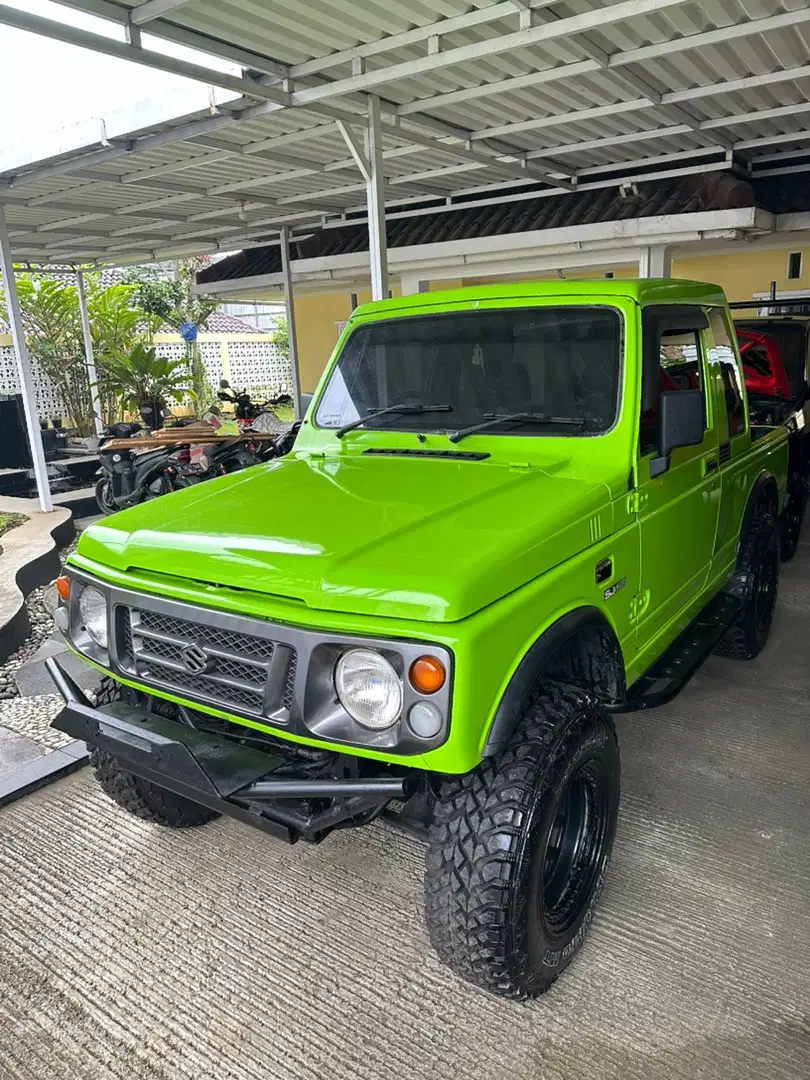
<point x="427" y="674"/>
<point x="63" y="588"/>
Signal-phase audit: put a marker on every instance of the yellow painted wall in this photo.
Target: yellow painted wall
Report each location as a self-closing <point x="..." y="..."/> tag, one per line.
<point x="741" y="274"/>
<point x="317" y="326"/>
<point x="745" y="273"/>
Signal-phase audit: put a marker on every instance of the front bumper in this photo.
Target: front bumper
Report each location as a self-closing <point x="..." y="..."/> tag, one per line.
<point x="220" y="773"/>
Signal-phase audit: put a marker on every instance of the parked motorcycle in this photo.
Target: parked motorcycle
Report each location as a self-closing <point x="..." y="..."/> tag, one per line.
<point x="128" y="477"/>
<point x="246" y="410"/>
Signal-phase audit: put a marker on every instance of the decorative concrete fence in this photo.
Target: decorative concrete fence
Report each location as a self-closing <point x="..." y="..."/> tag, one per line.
<point x="246" y="360"/>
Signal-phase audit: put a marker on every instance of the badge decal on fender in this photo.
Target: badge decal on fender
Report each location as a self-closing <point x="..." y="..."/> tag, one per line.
<point x="614" y="588"/>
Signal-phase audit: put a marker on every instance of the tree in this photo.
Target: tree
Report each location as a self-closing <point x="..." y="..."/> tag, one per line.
<point x="115" y="326"/>
<point x="50" y="317"/>
<point x="280" y="336"/>
<point x="171" y="298"/>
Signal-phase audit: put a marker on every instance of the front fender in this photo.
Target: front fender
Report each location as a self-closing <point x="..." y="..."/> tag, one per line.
<point x="552" y="655"/>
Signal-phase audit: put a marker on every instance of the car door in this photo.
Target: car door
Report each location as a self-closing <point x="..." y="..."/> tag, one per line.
<point x="678" y="509"/>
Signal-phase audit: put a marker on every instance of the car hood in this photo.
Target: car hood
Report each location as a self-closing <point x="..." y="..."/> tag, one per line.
<point x="425" y="539"/>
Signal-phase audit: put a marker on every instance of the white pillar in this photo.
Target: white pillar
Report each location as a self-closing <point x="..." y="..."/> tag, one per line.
<point x="290" y="307"/>
<point x="23" y="366"/>
<point x="90" y="359"/>
<point x="655" y="262"/>
<point x="410" y="284"/>
<point x="375" y="199"/>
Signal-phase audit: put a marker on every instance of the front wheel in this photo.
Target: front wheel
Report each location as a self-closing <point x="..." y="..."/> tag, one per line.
<point x="104" y="496"/>
<point x="520" y="846"/>
<point x="137" y="796"/>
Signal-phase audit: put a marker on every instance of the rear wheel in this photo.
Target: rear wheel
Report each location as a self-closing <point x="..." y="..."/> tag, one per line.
<point x="141" y="797"/>
<point x="519" y="848"/>
<point x="758" y="560"/>
<point x="790" y="523"/>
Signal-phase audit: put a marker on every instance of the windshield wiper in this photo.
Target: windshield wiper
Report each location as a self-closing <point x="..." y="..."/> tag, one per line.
<point x="403" y="408"/>
<point x="491" y="419"/>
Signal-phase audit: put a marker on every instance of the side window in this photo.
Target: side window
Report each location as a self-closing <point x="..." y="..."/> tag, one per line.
<point x="679" y="368"/>
<point x="723" y="354"/>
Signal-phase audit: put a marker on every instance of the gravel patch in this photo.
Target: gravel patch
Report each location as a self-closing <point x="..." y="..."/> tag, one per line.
<point x="32" y="716"/>
<point x="41" y="629"/>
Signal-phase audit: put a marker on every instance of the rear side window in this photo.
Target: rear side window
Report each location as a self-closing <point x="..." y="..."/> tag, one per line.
<point x="723" y="354"/>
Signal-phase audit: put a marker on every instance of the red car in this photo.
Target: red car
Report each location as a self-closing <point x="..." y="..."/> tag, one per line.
<point x="762" y="365"/>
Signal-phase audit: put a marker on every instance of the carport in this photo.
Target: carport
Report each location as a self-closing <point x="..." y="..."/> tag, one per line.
<point x="312" y="117"/>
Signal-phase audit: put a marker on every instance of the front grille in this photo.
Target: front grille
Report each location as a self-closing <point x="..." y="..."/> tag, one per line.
<point x="238" y="671"/>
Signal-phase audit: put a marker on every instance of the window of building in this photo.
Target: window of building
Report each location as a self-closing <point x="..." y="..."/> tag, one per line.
<point x="794" y="266"/>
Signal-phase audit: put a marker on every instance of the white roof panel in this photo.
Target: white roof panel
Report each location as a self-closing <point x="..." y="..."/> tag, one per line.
<point x="475" y="94"/>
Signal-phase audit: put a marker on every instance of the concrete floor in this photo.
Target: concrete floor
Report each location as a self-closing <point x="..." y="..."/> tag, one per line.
<point x="132" y="952"/>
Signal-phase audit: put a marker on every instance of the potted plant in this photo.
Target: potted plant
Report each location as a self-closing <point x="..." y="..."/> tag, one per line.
<point x="146" y="382"/>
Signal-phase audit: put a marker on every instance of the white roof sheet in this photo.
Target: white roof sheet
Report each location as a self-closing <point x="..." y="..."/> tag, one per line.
<point x="477" y="94"/>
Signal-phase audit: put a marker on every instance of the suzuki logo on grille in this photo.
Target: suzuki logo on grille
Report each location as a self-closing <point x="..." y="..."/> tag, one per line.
<point x="195" y="659"/>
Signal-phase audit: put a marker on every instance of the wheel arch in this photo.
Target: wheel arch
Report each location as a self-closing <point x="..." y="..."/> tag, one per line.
<point x="580" y="648"/>
<point x="765" y="488"/>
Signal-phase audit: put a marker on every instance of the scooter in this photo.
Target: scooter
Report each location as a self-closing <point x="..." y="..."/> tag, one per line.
<point x="128" y="477"/>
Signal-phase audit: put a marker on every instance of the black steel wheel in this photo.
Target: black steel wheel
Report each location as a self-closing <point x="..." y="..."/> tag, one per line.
<point x="792" y="517"/>
<point x="104" y="496"/>
<point x="520" y="846"/>
<point x="759" y="561"/>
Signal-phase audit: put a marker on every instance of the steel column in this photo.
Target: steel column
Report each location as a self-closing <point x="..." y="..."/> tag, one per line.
<point x="23" y="366"/>
<point x="655" y="262"/>
<point x="375" y="198"/>
<point x="90" y="359"/>
<point x="284" y="234"/>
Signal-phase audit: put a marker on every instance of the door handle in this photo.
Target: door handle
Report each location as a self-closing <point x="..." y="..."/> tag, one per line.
<point x="710" y="465"/>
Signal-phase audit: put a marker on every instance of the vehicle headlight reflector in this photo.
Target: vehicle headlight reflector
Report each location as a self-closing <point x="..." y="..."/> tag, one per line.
<point x="93" y="611"/>
<point x="369" y="689"/>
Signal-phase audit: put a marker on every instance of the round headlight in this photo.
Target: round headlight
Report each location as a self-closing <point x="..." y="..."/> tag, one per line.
<point x="369" y="689"/>
<point x="93" y="610"/>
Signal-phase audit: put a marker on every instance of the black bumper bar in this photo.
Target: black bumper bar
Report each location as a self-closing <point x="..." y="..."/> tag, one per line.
<point x="218" y="772"/>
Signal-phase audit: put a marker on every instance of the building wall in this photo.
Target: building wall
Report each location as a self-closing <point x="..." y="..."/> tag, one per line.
<point x="319" y="318"/>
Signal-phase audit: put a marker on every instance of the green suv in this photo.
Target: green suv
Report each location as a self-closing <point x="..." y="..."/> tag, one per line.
<point x="511" y="512"/>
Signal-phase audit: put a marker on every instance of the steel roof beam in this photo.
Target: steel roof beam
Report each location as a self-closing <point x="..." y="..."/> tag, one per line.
<point x="562" y="28"/>
<point x="170" y="31"/>
<point x="153" y="9"/>
<point x="478" y="50"/>
<point x="440" y="28"/>
<point x="84" y="39"/>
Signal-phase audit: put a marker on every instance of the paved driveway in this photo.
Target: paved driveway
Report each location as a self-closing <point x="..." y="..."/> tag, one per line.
<point x="131" y="952"/>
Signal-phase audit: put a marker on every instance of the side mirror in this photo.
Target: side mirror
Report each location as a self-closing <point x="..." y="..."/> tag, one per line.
<point x="683" y="423"/>
<point x="224" y="384"/>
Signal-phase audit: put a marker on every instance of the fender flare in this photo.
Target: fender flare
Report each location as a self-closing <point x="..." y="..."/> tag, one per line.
<point x="764" y="487"/>
<point x="538" y="658"/>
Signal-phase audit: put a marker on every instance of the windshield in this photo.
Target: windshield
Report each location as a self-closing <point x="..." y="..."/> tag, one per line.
<point x="540" y="371"/>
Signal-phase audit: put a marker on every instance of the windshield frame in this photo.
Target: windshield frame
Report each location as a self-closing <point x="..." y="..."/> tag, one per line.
<point x="481" y="309"/>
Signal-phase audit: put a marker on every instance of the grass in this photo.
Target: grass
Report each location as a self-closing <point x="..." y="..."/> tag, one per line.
<point x="10" y="521"/>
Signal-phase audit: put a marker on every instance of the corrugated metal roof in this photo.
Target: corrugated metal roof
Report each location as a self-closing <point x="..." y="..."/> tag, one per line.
<point x="569" y="90"/>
